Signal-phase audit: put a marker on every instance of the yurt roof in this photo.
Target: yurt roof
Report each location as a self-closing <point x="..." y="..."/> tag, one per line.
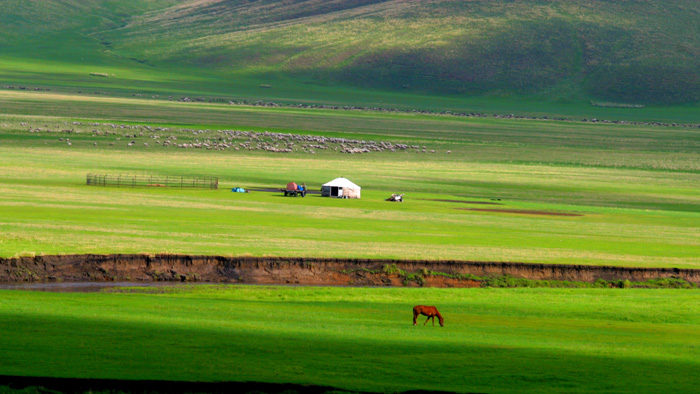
<point x="342" y="182"/>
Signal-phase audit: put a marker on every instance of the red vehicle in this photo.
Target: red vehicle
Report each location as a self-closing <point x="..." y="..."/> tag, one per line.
<point x="295" y="190"/>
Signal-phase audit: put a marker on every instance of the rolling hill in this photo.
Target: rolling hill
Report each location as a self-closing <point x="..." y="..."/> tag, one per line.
<point x="624" y="52"/>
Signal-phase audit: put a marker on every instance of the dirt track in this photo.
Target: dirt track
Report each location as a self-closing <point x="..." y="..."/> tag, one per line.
<point x="281" y="191"/>
<point x="523" y="212"/>
<point x="461" y="201"/>
<point x="307" y="271"/>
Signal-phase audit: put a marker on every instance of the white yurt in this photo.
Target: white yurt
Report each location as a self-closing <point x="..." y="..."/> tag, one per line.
<point x="340" y="188"/>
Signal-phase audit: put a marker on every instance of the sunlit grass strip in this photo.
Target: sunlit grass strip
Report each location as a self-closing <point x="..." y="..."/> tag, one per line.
<point x="631" y="216"/>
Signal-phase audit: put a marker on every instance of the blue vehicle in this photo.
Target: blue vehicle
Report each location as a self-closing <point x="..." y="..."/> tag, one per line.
<point x="294" y="190"/>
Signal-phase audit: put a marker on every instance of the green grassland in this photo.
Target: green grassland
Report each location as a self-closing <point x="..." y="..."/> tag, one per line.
<point x="634" y="187"/>
<point x="114" y="67"/>
<point x="365" y="51"/>
<point x="494" y="340"/>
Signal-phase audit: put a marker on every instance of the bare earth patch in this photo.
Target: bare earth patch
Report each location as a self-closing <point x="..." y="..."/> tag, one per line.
<point x="520" y="211"/>
<point x="462" y="201"/>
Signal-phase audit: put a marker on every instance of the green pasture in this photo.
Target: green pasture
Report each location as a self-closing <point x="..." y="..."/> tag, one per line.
<point x="137" y="81"/>
<point x="633" y="188"/>
<point x="443" y="54"/>
<point x="494" y="340"/>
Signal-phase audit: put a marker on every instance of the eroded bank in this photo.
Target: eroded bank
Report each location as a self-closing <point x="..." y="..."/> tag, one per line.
<point x="310" y="271"/>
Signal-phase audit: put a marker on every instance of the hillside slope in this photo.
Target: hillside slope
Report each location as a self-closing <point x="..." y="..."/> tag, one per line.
<point x="51" y="40"/>
<point x="628" y="52"/>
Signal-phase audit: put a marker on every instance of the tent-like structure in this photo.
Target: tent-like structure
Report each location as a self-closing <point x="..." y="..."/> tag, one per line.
<point x="340" y="188"/>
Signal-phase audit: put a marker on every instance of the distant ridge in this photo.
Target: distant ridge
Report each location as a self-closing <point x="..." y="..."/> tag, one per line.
<point x="576" y="50"/>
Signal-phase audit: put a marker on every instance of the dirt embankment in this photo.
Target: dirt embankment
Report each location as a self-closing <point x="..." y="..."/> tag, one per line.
<point x="307" y="271"/>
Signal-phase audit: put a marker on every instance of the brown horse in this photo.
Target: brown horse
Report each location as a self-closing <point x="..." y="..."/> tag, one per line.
<point x="429" y="311"/>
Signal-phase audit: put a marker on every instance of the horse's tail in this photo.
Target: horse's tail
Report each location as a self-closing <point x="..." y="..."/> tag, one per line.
<point x="415" y="314"/>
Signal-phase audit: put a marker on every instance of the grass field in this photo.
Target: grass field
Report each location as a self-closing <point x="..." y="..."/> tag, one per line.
<point x="93" y="87"/>
<point x="633" y="187"/>
<point x="632" y="191"/>
<point x="494" y="340"/>
<point x="572" y="51"/>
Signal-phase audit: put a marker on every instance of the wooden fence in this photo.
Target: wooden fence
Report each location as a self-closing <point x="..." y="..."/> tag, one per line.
<point x="205" y="182"/>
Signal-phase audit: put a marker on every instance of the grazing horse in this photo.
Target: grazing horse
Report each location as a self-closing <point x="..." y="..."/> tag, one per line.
<point x="429" y="311"/>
